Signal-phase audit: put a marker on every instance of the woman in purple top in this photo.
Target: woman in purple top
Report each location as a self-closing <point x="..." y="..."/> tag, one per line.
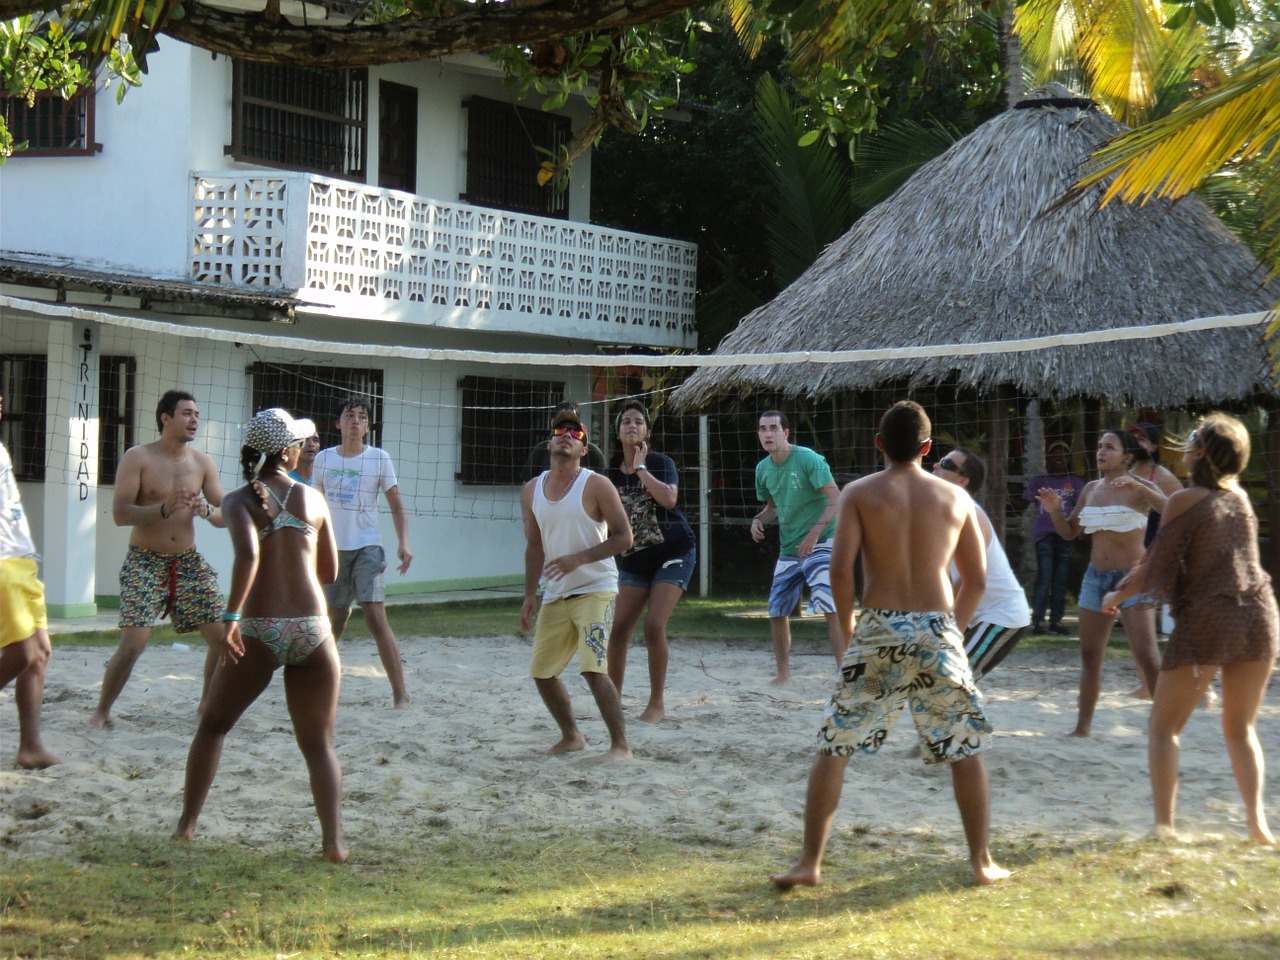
<point x="1053" y="553"/>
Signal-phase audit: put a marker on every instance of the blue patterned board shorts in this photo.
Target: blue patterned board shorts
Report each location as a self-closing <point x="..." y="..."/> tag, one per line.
<point x="181" y="586"/>
<point x="908" y="659"/>
<point x="792" y="572"/>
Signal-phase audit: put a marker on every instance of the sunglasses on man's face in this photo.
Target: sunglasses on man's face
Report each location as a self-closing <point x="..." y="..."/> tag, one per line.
<point x="946" y="463"/>
<point x="576" y="432"/>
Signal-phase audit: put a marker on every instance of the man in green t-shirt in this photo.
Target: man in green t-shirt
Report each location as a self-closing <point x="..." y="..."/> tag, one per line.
<point x="798" y="490"/>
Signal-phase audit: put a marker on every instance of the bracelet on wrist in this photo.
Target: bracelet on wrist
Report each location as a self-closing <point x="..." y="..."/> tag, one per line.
<point x="639" y="467"/>
<point x="230" y="616"/>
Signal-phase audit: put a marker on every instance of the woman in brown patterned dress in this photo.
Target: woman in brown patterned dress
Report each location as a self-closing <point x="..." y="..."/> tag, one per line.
<point x="1205" y="563"/>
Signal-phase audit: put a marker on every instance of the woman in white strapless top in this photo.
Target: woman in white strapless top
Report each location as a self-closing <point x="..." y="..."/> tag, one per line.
<point x="1112" y="512"/>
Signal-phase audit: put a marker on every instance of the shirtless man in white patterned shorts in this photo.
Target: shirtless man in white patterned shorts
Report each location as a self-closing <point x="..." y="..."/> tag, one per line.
<point x="908" y="648"/>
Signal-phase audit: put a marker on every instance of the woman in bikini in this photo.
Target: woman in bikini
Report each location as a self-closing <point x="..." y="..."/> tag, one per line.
<point x="1112" y="510"/>
<point x="279" y="527"/>
<point x="1205" y="563"/>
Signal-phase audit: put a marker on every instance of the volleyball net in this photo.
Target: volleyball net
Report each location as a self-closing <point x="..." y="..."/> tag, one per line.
<point x="459" y="424"/>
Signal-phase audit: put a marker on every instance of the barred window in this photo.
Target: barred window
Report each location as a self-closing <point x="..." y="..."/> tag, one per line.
<point x="116" y="383"/>
<point x="503" y="157"/>
<point x="300" y="118"/>
<point x="502" y="420"/>
<point x="24" y="385"/>
<point x="317" y="393"/>
<point x="52" y="126"/>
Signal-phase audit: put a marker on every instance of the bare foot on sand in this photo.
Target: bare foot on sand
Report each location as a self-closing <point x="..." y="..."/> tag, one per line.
<point x="1261" y="833"/>
<point x="1164" y="833"/>
<point x="1078" y="733"/>
<point x="568" y="745"/>
<point x="652" y="714"/>
<point x="100" y="721"/>
<point x="336" y="853"/>
<point x="1140" y="692"/>
<point x="781" y="680"/>
<point x="400" y="704"/>
<point x="614" y="753"/>
<point x="36" y="759"/>
<point x="797" y="876"/>
<point x="986" y="874"/>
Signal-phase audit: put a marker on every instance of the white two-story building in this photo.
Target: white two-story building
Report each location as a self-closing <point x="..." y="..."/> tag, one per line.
<point x="265" y="235"/>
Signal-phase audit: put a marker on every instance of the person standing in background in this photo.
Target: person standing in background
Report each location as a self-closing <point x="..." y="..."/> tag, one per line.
<point x="1053" y="552"/>
<point x="351" y="475"/>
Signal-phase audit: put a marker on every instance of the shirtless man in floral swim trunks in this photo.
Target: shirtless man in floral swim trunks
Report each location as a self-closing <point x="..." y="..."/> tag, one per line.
<point x="908" y="648"/>
<point x="161" y="488"/>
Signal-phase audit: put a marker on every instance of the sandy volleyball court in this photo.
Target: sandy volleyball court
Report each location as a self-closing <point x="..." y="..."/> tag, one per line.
<point x="727" y="766"/>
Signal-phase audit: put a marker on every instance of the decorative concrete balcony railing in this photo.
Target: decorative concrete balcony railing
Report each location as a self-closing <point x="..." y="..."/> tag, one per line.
<point x="382" y="254"/>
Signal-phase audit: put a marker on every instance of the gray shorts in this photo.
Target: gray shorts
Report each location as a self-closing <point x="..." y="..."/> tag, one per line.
<point x="359" y="578"/>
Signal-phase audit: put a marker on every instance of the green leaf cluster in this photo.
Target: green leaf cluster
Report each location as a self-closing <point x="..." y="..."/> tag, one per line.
<point x="39" y="54"/>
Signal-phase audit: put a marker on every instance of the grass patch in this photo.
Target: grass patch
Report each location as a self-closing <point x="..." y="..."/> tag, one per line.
<point x="558" y="895"/>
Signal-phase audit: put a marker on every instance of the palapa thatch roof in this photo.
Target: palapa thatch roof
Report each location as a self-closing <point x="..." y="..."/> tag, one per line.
<point x="972" y="249"/>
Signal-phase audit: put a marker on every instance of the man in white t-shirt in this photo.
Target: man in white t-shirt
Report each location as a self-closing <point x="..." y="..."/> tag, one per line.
<point x="351" y="475"/>
<point x="24" y="629"/>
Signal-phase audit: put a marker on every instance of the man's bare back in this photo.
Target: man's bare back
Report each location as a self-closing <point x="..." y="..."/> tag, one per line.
<point x="908" y="526"/>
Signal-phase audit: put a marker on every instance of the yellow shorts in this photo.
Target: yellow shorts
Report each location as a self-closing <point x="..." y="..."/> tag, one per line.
<point x="579" y="624"/>
<point x="22" y="600"/>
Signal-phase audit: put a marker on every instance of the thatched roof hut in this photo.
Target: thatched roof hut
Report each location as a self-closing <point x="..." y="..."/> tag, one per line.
<point x="972" y="249"/>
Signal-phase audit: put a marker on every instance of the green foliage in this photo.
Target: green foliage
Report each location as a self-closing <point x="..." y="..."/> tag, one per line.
<point x="809" y="184"/>
<point x="883" y="162"/>
<point x="39" y="54"/>
<point x="644" y="63"/>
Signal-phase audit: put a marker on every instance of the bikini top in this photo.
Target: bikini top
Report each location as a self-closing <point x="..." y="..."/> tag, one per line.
<point x="1113" y="519"/>
<point x="284" y="518"/>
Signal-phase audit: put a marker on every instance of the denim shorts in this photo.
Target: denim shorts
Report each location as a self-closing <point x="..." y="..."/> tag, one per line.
<point x="1098" y="583"/>
<point x="677" y="570"/>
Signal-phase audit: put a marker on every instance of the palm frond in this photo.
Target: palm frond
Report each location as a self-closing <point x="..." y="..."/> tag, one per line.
<point x="884" y="161"/>
<point x="810" y="184"/>
<point x="1169" y="157"/>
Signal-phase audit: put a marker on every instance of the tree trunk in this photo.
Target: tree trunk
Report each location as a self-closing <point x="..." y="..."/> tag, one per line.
<point x="1013" y="89"/>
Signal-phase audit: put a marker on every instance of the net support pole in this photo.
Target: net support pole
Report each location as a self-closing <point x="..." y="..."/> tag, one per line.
<point x="704" y="505"/>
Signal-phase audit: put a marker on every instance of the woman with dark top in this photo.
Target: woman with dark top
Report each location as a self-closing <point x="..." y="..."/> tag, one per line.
<point x="1205" y="563"/>
<point x="1146" y="465"/>
<point x="657" y="569"/>
<point x="1112" y="511"/>
<point x="280" y="529"/>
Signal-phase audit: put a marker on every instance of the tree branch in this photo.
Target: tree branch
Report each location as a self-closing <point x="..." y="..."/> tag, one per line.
<point x="478" y="30"/>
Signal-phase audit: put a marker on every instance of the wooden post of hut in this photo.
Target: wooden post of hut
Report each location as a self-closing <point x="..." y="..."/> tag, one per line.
<point x="998" y="457"/>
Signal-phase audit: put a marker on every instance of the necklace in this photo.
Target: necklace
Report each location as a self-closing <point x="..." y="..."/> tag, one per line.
<point x="546" y="489"/>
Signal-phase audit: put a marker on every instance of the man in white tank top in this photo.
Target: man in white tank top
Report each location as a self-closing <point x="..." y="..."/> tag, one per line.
<point x="1003" y="616"/>
<point x="575" y="517"/>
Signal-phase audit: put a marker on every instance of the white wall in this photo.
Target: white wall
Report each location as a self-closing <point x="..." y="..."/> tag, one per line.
<point x="126" y="208"/>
